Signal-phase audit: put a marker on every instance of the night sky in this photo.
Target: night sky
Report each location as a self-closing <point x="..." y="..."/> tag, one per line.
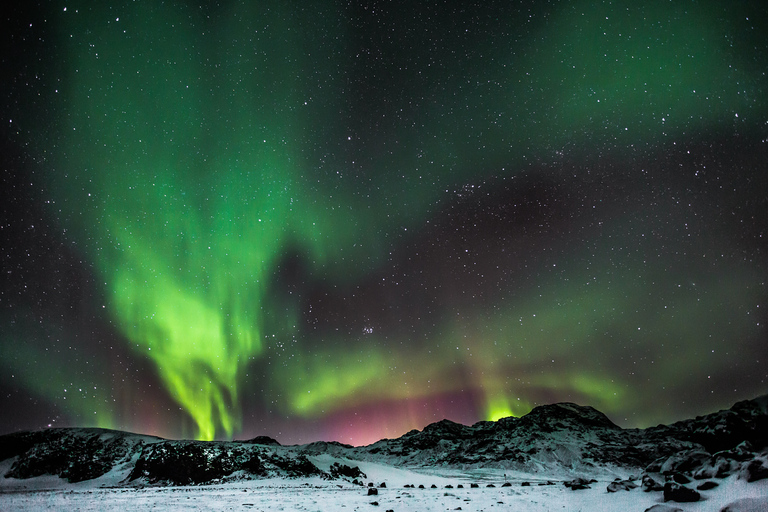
<point x="343" y="220"/>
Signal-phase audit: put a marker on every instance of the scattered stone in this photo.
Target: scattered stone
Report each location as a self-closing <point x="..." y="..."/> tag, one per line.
<point x="490" y="485"/>
<point x="421" y="486"/>
<point x="681" y="478"/>
<point x="433" y="486"/>
<point x="679" y="493"/>
<point x="621" y="485"/>
<point x="383" y="485"/>
<point x="449" y="486"/>
<point x="705" y="486"/>
<point x="651" y="485"/>
<point x="375" y="503"/>
<point x="525" y="484"/>
<point x="579" y="484"/>
<point x="372" y="491"/>
<point x="474" y="486"/>
<point x="459" y="486"/>
<point x="754" y="471"/>
<point x="506" y="484"/>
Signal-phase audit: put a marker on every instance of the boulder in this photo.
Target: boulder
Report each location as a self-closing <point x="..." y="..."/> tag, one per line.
<point x="686" y="461"/>
<point x="651" y="485"/>
<point x="679" y="493"/>
<point x="578" y="484"/>
<point x="621" y="485"/>
<point x="754" y="470"/>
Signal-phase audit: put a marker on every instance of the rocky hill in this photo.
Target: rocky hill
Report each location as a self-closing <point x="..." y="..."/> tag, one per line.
<point x="556" y="439"/>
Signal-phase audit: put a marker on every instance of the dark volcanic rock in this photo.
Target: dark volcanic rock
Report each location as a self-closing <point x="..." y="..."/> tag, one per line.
<point x="755" y="470"/>
<point x="342" y="470"/>
<point x="679" y="493"/>
<point x="578" y="484"/>
<point x="621" y="485"/>
<point x="651" y="485"/>
<point x="188" y="463"/>
<point x="73" y="454"/>
<point x="686" y="461"/>
<point x="199" y="462"/>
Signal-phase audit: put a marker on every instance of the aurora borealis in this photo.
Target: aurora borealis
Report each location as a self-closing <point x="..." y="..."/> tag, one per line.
<point x="342" y="221"/>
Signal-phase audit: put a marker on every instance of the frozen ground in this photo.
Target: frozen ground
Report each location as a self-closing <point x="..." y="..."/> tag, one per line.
<point x="47" y="493"/>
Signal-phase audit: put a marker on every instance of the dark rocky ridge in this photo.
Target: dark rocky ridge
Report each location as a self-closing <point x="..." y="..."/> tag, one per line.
<point x="562" y="436"/>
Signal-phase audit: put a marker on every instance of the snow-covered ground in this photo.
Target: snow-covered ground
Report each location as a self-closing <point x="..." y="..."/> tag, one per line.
<point x="51" y="493"/>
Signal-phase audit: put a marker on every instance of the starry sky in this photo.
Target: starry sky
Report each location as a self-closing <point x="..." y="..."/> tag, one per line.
<point x="344" y="220"/>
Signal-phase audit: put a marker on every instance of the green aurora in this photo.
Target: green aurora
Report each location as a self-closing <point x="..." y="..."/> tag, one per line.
<point x="189" y="150"/>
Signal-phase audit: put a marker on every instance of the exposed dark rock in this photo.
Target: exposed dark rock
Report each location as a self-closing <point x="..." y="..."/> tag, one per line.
<point x="73" y="454"/>
<point x="679" y="493"/>
<point x="474" y="486"/>
<point x="686" y="462"/>
<point x="621" y="485"/>
<point x="342" y="470"/>
<point x="681" y="478"/>
<point x="651" y="485"/>
<point x="578" y="484"/>
<point x="755" y="470"/>
<point x="372" y="491"/>
<point x="506" y="484"/>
